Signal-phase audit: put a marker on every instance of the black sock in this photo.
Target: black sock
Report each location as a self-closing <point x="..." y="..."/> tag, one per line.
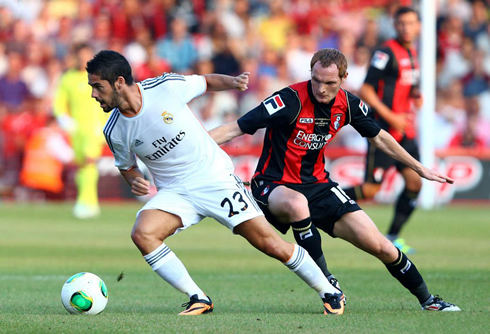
<point x="403" y="210"/>
<point x="308" y="237"/>
<point x="407" y="274"/>
<point x="354" y="193"/>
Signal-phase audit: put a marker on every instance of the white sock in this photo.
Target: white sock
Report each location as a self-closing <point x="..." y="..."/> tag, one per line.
<point x="168" y="266"/>
<point x="303" y="265"/>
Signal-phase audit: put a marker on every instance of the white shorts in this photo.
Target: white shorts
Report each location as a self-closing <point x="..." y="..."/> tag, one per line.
<point x="224" y="199"/>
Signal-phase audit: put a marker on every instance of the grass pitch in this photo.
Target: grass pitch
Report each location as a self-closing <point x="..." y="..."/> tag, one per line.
<point x="41" y="246"/>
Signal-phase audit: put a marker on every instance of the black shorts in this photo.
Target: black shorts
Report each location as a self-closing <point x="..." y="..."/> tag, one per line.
<point x="377" y="162"/>
<point x="326" y="201"/>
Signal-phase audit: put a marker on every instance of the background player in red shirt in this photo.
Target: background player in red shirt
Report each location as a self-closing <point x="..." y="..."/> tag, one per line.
<point x="391" y="89"/>
<point x="291" y="185"/>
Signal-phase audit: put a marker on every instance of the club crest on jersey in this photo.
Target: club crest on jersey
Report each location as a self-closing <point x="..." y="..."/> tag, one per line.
<point x="167" y="117"/>
<point x="306" y="120"/>
<point x="364" y="108"/>
<point x="336" y="123"/>
<point x="274" y="104"/>
<point x="380" y="60"/>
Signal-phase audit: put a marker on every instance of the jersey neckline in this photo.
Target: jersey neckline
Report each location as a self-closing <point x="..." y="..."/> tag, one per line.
<point x="141" y="108"/>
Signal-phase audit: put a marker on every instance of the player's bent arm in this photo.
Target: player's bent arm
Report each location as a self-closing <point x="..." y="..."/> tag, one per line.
<point x="368" y="94"/>
<point x="225" y="132"/>
<point x="134" y="177"/>
<point x="217" y="82"/>
<point x="386" y="143"/>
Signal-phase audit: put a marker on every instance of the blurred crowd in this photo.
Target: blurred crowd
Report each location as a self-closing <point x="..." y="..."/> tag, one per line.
<point x="272" y="39"/>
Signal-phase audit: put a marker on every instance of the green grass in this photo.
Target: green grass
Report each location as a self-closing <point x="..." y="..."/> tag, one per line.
<point x="41" y="245"/>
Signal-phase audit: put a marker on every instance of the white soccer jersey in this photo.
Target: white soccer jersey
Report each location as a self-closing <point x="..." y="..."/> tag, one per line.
<point x="166" y="135"/>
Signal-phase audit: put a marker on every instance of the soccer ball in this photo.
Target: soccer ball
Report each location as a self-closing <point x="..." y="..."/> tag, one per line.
<point x="84" y="293"/>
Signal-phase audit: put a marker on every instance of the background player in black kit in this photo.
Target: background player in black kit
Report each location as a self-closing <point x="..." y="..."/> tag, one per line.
<point x="291" y="184"/>
<point x="391" y="89"/>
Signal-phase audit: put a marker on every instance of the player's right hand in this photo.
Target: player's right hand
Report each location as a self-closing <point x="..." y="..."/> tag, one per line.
<point x="140" y="186"/>
<point x="399" y="121"/>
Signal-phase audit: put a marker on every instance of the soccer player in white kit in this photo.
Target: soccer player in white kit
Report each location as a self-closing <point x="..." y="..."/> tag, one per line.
<point x="194" y="177"/>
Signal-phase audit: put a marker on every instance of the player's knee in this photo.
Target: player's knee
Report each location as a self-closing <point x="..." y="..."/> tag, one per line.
<point x="141" y="236"/>
<point x="385" y="251"/>
<point x="414" y="185"/>
<point x="296" y="205"/>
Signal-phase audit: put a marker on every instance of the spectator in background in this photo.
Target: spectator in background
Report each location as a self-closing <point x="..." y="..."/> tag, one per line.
<point x="4" y="64"/>
<point x="457" y="62"/>
<point x="34" y="74"/>
<point x="275" y="28"/>
<point x="478" y="21"/>
<point x="475" y="132"/>
<point x="13" y="91"/>
<point x="299" y="51"/>
<point x="450" y="111"/>
<point x="223" y="59"/>
<point x="477" y="81"/>
<point x="328" y="34"/>
<point x="177" y="48"/>
<point x="45" y="153"/>
<point x="80" y="116"/>
<point x="16" y="129"/>
<point x="370" y="37"/>
<point x="358" y="69"/>
<point x="63" y="39"/>
<point x="386" y="21"/>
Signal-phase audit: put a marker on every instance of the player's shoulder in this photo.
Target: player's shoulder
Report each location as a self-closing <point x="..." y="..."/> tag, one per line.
<point x="355" y="103"/>
<point x="112" y="122"/>
<point x="161" y="81"/>
<point x="70" y="75"/>
<point x="349" y="95"/>
<point x="381" y="56"/>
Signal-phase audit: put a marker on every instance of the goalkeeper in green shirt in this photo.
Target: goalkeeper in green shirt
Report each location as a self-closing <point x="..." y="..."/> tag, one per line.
<point x="80" y="116"/>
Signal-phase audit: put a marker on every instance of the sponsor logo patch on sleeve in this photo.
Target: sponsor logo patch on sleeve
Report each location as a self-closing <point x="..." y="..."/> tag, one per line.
<point x="380" y="60"/>
<point x="274" y="104"/>
<point x="364" y="108"/>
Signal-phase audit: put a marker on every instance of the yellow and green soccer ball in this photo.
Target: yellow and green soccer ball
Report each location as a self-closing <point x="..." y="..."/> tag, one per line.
<point x="84" y="293"/>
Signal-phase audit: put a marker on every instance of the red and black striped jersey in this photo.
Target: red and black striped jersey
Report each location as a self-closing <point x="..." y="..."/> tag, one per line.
<point x="298" y="128"/>
<point x="394" y="72"/>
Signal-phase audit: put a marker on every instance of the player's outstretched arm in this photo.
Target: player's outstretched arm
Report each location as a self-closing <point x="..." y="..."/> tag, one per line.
<point x="134" y="177"/>
<point x="386" y="143"/>
<point x="217" y="82"/>
<point x="225" y="132"/>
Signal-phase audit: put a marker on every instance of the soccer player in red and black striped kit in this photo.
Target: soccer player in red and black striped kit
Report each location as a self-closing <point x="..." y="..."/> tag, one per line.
<point x="291" y="184"/>
<point x="391" y="89"/>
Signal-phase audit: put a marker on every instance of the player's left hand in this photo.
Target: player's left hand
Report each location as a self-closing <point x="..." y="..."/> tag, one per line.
<point x="140" y="186"/>
<point x="241" y="82"/>
<point x="432" y="175"/>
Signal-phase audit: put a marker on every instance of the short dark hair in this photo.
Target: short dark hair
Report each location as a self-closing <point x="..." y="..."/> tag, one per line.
<point x="330" y="56"/>
<point x="405" y="10"/>
<point x="109" y="65"/>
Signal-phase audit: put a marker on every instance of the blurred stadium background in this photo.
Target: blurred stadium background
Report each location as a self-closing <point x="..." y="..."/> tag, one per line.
<point x="274" y="40"/>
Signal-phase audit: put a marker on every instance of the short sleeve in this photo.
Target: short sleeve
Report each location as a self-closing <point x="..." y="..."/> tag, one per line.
<point x="187" y="87"/>
<point x="362" y="118"/>
<point x="280" y="109"/>
<point x="124" y="159"/>
<point x="381" y="63"/>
